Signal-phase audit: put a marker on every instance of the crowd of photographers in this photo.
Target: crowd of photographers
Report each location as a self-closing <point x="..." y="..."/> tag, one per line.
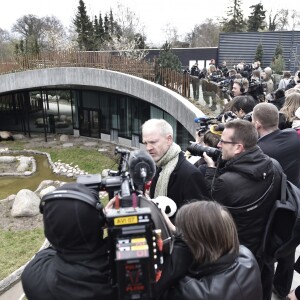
<point x="218" y="205"/>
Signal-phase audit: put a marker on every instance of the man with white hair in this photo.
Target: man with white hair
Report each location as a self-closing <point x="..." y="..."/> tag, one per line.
<point x="175" y="178"/>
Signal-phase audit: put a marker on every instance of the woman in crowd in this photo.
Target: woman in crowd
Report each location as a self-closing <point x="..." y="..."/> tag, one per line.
<point x="291" y="104"/>
<point x="212" y="265"/>
<point x="284" y="81"/>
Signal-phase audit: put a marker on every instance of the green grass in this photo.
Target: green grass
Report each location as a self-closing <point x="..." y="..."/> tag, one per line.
<point x="89" y="160"/>
<point x="17" y="247"/>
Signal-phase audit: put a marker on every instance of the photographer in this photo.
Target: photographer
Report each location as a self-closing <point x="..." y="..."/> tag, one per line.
<point x="243" y="106"/>
<point x="240" y="87"/>
<point x="75" y="266"/>
<point x="248" y="185"/>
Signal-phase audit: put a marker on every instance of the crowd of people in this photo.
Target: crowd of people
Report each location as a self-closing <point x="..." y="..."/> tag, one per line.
<point x="222" y="207"/>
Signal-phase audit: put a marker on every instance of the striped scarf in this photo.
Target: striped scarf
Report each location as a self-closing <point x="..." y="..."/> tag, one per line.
<point x="167" y="164"/>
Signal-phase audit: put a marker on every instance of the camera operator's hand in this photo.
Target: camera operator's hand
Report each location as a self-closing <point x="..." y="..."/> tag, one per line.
<point x="209" y="160"/>
<point x="292" y="295"/>
<point x="109" y="205"/>
<point x="170" y="225"/>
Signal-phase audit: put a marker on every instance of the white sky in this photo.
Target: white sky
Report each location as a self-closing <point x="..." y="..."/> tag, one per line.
<point x="154" y="14"/>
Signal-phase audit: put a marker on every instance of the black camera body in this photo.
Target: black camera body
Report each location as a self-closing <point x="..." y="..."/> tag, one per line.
<point x="198" y="150"/>
<point x="135" y="239"/>
<point x="204" y="124"/>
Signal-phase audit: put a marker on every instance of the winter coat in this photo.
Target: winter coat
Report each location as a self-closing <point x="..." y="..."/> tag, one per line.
<point x="186" y="183"/>
<point x="50" y="276"/>
<point x="284" y="146"/>
<point x="243" y="180"/>
<point x="230" y="277"/>
<point x="76" y="266"/>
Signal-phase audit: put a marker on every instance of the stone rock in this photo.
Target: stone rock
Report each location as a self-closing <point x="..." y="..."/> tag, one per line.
<point x="26" y="204"/>
<point x="47" y="190"/>
<point x="67" y="145"/>
<point x="6" y="136"/>
<point x="25" y="159"/>
<point x="22" y="168"/>
<point x="64" y="138"/>
<point x="19" y="136"/>
<point x="90" y="144"/>
<point x="27" y="173"/>
<point x="7" y="159"/>
<point x="43" y="185"/>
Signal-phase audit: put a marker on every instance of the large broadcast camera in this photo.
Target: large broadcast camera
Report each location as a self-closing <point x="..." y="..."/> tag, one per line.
<point x="137" y="232"/>
<point x="198" y="150"/>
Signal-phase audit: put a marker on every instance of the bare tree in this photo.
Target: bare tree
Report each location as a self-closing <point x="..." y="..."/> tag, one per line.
<point x="204" y="35"/>
<point x="129" y="37"/>
<point x="6" y="45"/>
<point x="54" y="35"/>
<point x="37" y="34"/>
<point x="283" y="19"/>
<point x="171" y="34"/>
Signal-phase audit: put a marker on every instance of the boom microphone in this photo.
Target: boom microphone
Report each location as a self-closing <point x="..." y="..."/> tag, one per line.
<point x="141" y="168"/>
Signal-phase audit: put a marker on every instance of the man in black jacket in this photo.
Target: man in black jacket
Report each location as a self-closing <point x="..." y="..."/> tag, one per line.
<point x="248" y="185"/>
<point x="75" y="266"/>
<point x="175" y="178"/>
<point x="284" y="146"/>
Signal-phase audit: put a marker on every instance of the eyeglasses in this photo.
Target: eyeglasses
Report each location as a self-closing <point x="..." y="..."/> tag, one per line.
<point x="226" y="142"/>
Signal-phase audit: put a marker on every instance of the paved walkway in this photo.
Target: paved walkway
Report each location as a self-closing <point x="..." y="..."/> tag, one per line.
<point x="16" y="292"/>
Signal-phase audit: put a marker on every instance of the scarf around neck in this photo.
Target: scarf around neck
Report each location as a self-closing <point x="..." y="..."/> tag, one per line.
<point x="167" y="164"/>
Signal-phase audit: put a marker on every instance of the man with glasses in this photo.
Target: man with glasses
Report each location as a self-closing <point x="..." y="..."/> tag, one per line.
<point x="247" y="184"/>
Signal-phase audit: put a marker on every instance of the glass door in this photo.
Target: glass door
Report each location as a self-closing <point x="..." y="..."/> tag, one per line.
<point x="90" y="123"/>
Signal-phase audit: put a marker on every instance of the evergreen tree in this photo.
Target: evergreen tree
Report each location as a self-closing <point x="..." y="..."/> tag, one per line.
<point x="107" y="35"/>
<point x="167" y="59"/>
<point x="272" y="23"/>
<point x="111" y="23"/>
<point x="278" y="64"/>
<point x="259" y="53"/>
<point x="256" y="20"/>
<point x="140" y="41"/>
<point x="84" y="28"/>
<point x="278" y="51"/>
<point x="234" y="21"/>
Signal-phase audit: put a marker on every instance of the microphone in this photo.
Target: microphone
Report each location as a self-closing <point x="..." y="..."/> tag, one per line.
<point x="141" y="167"/>
<point x="202" y="118"/>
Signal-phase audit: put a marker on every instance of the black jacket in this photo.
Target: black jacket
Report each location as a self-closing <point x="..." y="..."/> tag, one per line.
<point x="77" y="266"/>
<point x="243" y="180"/>
<point x="52" y="277"/>
<point x="284" y="146"/>
<point x="186" y="183"/>
<point x="230" y="277"/>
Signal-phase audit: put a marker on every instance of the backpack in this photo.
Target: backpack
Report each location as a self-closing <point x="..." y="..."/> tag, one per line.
<point x="282" y="232"/>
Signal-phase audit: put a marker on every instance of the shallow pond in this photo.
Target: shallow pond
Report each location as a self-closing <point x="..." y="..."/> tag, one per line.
<point x="11" y="185"/>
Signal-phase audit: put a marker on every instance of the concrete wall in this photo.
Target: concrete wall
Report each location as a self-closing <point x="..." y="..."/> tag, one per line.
<point x="89" y="78"/>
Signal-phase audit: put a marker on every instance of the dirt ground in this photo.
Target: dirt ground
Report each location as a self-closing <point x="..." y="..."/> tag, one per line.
<point x="7" y="222"/>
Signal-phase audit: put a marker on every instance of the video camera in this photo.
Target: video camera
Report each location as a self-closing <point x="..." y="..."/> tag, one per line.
<point x="198" y="150"/>
<point x="205" y="123"/>
<point x="256" y="89"/>
<point x="137" y="232"/>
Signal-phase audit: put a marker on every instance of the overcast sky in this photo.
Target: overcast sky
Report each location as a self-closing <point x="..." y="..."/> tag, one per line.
<point x="154" y="14"/>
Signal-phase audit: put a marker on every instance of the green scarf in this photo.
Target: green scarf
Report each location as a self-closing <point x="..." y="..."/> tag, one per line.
<point x="167" y="163"/>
